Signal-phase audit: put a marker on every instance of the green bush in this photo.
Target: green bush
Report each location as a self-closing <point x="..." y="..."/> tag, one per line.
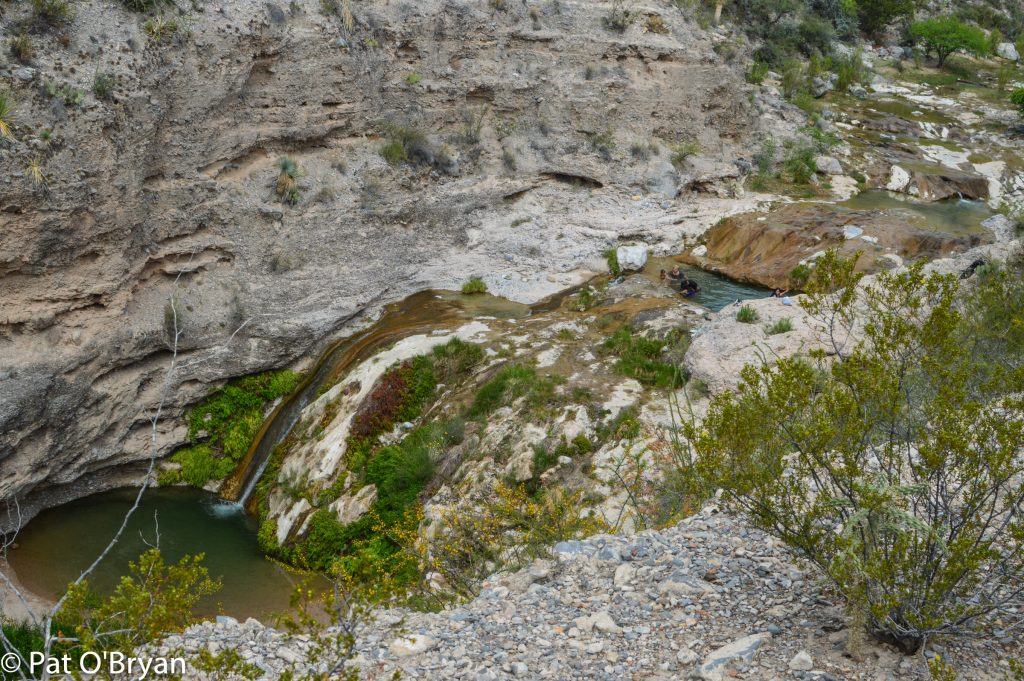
<point x="618" y="18"/>
<point x="474" y="285"/>
<point x="455" y="359"/>
<point x="781" y="326"/>
<point x="875" y="15"/>
<point x="1017" y="98"/>
<point x="683" y="151"/>
<point x="650" y="361"/>
<point x="799" y="163"/>
<point x="945" y="35"/>
<point x="513" y="381"/>
<point x="747" y="315"/>
<point x="52" y="11"/>
<point x="799" y="275"/>
<point x="851" y="70"/>
<point x="611" y="256"/>
<point x="103" y="85"/>
<point x="892" y="465"/>
<point x="757" y="72"/>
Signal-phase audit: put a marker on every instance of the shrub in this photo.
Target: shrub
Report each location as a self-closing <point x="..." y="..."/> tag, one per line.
<point x="1016" y="97"/>
<point x="851" y="70"/>
<point x="161" y="28"/>
<point x="747" y="315"/>
<point x="512" y="382"/>
<point x="757" y="72"/>
<point x="413" y="78"/>
<point x="71" y="96"/>
<point x="611" y="256"/>
<point x="781" y="326"/>
<point x="455" y="359"/>
<point x="656" y="24"/>
<point x="650" y="361"/>
<point x="142" y="5"/>
<point x="794" y="78"/>
<point x="52" y="11"/>
<point x="893" y="465"/>
<point x="21" y="48"/>
<point x="474" y="285"/>
<point x="683" y="151"/>
<point x="946" y="35"/>
<point x="875" y="15"/>
<point x="103" y="85"/>
<point x="585" y="299"/>
<point x="799" y="163"/>
<point x="602" y="143"/>
<point x="407" y="144"/>
<point x="799" y="275"/>
<point x="618" y="18"/>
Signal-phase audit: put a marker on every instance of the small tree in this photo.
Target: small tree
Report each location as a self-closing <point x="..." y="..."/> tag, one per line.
<point x="894" y="463"/>
<point x="875" y="15"/>
<point x="946" y="35"/>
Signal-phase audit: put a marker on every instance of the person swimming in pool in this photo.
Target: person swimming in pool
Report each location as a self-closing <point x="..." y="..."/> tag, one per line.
<point x="688" y="287"/>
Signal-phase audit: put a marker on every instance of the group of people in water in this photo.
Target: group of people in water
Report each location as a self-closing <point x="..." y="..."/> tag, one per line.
<point x="676" y="277"/>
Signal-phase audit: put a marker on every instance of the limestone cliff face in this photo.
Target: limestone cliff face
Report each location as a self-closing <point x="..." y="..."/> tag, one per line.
<point x="166" y="189"/>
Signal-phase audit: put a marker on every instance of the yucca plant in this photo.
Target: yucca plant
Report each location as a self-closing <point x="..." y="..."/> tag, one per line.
<point x="287" y="187"/>
<point x="34" y="172"/>
<point x="6" y="115"/>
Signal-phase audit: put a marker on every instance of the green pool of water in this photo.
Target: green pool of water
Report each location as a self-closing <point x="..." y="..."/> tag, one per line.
<point x="716" y="291"/>
<point x="60" y="542"/>
<point x="955" y="216"/>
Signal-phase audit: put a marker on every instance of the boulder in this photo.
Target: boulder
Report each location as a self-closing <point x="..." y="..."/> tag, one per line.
<point x="802" y="662"/>
<point x="350" y="508"/>
<point x="945" y="183"/>
<point x="413" y="644"/>
<point x="898" y="179"/>
<point x="1008" y="51"/>
<point x="858" y="91"/>
<point x="632" y="258"/>
<point x="820" y="86"/>
<point x="1002" y="227"/>
<point x="828" y="165"/>
<point x="741" y="650"/>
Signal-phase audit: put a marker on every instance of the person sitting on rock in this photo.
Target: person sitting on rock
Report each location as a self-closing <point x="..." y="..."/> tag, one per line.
<point x="779" y="293"/>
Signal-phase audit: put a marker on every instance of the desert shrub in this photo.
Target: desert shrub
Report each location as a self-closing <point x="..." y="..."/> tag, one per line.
<point x="1016" y="98"/>
<point x="618" y="18"/>
<point x="22" y="48"/>
<point x="161" y="28"/>
<point x="650" y="361"/>
<point x="508" y="160"/>
<point x="142" y="5"/>
<point x="799" y="162"/>
<point x="602" y="143"/>
<point x="815" y="35"/>
<point x="781" y="326"/>
<point x="851" y="70"/>
<point x="103" y="85"/>
<point x="154" y="599"/>
<point x="794" y="78"/>
<point x="643" y="151"/>
<point x="413" y="78"/>
<point x="757" y="72"/>
<point x="892" y="463"/>
<point x="683" y="151"/>
<point x="656" y="24"/>
<point x="945" y="35"/>
<point x="408" y="144"/>
<point x="52" y="12"/>
<point x="502" y="528"/>
<point x="68" y="94"/>
<point x="875" y="15"/>
<point x="7" y="105"/>
<point x="474" y="285"/>
<point x="747" y="315"/>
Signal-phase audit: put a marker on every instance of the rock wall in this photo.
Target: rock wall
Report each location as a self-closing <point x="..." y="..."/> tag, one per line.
<point x="166" y="189"/>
